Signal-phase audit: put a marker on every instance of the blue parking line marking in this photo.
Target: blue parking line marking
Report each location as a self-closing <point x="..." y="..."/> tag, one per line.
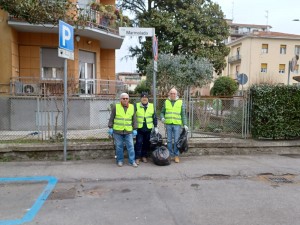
<point x="38" y="203"/>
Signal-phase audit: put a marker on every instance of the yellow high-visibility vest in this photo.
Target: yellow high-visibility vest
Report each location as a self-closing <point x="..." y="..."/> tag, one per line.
<point x="173" y="113"/>
<point x="148" y="115"/>
<point x="123" y="121"/>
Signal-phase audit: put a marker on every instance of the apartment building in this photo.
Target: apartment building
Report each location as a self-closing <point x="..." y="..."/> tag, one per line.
<point x="130" y="80"/>
<point x="261" y="56"/>
<point x="29" y="58"/>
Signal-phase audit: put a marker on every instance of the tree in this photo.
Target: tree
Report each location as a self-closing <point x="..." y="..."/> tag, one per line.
<point x="187" y="27"/>
<point x="179" y="71"/>
<point x="142" y="87"/>
<point x="224" y="86"/>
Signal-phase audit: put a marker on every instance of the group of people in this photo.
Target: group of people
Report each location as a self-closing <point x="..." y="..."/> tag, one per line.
<point x="129" y="120"/>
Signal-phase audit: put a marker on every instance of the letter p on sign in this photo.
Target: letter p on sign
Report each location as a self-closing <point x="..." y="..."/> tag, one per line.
<point x="66" y="36"/>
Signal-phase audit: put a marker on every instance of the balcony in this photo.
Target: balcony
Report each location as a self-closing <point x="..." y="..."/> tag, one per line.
<point x="234" y="59"/>
<point x="88" y="23"/>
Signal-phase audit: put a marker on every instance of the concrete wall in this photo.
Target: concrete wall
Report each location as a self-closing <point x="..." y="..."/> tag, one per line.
<point x="31" y="114"/>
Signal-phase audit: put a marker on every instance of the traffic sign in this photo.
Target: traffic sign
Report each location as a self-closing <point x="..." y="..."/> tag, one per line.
<point x="63" y="53"/>
<point x="155" y="48"/>
<point x="136" y="31"/>
<point x="155" y="66"/>
<point x="66" y="36"/>
<point x="242" y="78"/>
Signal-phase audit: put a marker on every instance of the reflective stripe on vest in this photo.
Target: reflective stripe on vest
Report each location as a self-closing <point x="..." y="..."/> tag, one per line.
<point x="173" y="113"/>
<point x="123" y="121"/>
<point x="148" y="115"/>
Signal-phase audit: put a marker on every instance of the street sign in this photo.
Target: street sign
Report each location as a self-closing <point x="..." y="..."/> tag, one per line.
<point x="155" y="48"/>
<point x="66" y="36"/>
<point x="136" y="31"/>
<point x="242" y="78"/>
<point x="63" y="53"/>
<point x="155" y="66"/>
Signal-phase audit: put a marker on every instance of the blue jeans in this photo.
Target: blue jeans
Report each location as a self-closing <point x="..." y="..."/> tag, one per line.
<point x="142" y="145"/>
<point x="173" y="132"/>
<point x="120" y="139"/>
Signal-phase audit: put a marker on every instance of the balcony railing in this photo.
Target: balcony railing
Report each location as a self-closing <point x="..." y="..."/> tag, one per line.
<point x="90" y="18"/>
<point x="31" y="86"/>
<point x="235" y="58"/>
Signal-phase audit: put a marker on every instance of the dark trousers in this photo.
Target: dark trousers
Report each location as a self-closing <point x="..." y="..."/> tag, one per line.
<point x="142" y="145"/>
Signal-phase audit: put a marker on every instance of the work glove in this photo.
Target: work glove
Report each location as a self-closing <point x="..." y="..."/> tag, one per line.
<point x="155" y="130"/>
<point x="163" y="120"/>
<point x="186" y="128"/>
<point x="110" y="131"/>
<point x="134" y="132"/>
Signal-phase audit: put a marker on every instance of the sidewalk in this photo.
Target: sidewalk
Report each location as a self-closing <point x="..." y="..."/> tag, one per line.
<point x="105" y="150"/>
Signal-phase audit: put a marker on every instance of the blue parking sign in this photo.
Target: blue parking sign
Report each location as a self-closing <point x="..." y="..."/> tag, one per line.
<point x="66" y="36"/>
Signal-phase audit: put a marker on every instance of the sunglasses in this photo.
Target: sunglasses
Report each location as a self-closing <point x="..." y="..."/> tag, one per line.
<point x="124" y="98"/>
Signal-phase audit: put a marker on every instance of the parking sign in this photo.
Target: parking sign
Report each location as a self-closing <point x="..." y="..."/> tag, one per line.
<point x="66" y="36"/>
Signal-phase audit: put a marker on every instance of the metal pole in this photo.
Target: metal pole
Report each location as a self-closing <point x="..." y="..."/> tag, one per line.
<point x="65" y="109"/>
<point x="289" y="73"/>
<point x="154" y="89"/>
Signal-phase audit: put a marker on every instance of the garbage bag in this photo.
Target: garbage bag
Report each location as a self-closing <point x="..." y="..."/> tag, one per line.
<point x="155" y="139"/>
<point x="182" y="143"/>
<point x="161" y="156"/>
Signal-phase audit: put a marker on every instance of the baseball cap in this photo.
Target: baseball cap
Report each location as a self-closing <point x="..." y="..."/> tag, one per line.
<point x="144" y="95"/>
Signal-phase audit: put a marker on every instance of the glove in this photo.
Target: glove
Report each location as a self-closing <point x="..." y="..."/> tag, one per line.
<point x="163" y="120"/>
<point x="156" y="130"/>
<point x="186" y="128"/>
<point x="134" y="132"/>
<point x="110" y="131"/>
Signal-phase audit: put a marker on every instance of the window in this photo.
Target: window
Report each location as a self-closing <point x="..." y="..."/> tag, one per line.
<point x="297" y="49"/>
<point x="52" y="65"/>
<point x="264" y="67"/>
<point x="87" y="72"/>
<point x="281" y="68"/>
<point x="283" y="49"/>
<point x="264" y="48"/>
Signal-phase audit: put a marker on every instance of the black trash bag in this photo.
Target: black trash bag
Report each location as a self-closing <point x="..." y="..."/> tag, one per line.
<point x="161" y="156"/>
<point x="182" y="143"/>
<point x="155" y="140"/>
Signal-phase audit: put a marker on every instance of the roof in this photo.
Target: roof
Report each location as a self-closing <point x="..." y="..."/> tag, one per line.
<point x="266" y="34"/>
<point x="274" y="34"/>
<point x="249" y="25"/>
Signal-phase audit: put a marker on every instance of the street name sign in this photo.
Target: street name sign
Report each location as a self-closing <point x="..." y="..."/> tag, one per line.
<point x="136" y="31"/>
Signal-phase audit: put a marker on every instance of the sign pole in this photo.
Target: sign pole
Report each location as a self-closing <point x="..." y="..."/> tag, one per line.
<point x="66" y="51"/>
<point x="289" y="73"/>
<point x="65" y="108"/>
<point x="155" y="59"/>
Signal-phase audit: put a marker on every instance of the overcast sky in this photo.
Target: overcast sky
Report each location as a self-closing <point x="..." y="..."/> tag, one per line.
<point x="278" y="14"/>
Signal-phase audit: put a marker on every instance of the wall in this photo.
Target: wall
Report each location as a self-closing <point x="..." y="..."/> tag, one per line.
<point x="83" y="113"/>
<point x="7" y="41"/>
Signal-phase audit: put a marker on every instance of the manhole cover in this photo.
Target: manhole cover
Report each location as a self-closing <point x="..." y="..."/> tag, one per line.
<point x="280" y="180"/>
<point x="60" y="194"/>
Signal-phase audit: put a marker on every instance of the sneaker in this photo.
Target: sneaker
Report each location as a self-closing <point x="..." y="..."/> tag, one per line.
<point x="120" y="164"/>
<point x="176" y="159"/>
<point x="144" y="159"/>
<point x="137" y="161"/>
<point x="134" y="164"/>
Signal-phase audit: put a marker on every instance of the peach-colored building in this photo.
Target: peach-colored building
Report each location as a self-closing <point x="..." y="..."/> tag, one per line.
<point x="263" y="56"/>
<point x="29" y="59"/>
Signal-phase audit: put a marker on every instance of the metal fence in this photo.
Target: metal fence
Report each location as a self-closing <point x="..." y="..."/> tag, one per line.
<point x="41" y="118"/>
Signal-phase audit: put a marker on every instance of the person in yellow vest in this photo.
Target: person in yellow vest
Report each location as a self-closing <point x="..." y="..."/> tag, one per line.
<point x="173" y="116"/>
<point x="122" y="125"/>
<point x="146" y="118"/>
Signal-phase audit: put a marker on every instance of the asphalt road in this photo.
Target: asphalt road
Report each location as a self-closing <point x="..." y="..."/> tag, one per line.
<point x="208" y="190"/>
